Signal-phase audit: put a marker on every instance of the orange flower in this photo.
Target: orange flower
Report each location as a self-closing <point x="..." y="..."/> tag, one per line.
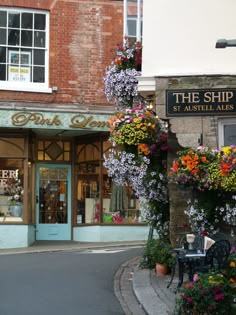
<point x="232" y="280"/>
<point x="204" y="159"/>
<point x="232" y="264"/>
<point x="191" y="165"/>
<point x="143" y="149"/>
<point x="225" y="168"/>
<point x="119" y="115"/>
<point x="148" y="113"/>
<point x="118" y="61"/>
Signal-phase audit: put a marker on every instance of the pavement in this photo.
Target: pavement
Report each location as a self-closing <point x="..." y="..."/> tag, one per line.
<point x="139" y="291"/>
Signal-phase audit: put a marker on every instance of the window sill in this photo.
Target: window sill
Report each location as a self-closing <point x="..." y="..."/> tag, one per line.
<point x="11" y="219"/>
<point x="33" y="89"/>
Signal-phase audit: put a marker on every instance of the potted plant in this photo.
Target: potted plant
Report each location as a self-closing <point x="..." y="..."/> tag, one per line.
<point x="158" y="254"/>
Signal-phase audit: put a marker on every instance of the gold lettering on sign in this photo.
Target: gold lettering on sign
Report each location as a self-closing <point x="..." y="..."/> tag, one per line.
<point x="222" y="97"/>
<point x="225" y="107"/>
<point x="22" y="118"/>
<point x="192" y="97"/>
<point x="81" y="121"/>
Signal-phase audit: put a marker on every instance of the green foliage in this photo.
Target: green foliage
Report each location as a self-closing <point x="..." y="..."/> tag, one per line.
<point x="157" y="251"/>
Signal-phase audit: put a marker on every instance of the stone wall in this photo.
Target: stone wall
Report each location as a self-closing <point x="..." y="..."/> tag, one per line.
<point x="187" y="132"/>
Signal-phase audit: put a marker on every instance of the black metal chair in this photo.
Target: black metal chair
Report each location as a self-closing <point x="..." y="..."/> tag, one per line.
<point x="215" y="259"/>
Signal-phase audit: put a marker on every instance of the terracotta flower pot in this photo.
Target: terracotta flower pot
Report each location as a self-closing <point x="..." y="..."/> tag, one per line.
<point x="161" y="269"/>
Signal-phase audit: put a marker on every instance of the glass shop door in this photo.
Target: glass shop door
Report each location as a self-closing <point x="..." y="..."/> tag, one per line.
<point x="53" y="202"/>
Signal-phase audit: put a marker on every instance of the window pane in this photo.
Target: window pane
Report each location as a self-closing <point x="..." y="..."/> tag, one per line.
<point x="230" y="134"/>
<point x="131" y="27"/>
<point x="2" y="54"/>
<point x="14" y="20"/>
<point x="13" y="37"/>
<point x="27" y="20"/>
<point x="39" y="57"/>
<point x="3" y="36"/>
<point x="2" y="72"/>
<point x="14" y="57"/>
<point x="26" y="38"/>
<point x="39" y="39"/>
<point x="25" y="58"/>
<point x="39" y="74"/>
<point x="3" y="18"/>
<point x="40" y="21"/>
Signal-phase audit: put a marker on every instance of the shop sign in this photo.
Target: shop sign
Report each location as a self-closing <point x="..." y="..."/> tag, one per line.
<point x="200" y="102"/>
<point x="52" y="120"/>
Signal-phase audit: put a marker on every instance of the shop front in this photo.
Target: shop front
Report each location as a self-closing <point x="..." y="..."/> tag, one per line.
<point x="53" y="185"/>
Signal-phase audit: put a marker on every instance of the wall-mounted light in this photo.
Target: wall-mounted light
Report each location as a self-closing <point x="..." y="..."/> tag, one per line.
<point x="150" y="102"/>
<point x="223" y="43"/>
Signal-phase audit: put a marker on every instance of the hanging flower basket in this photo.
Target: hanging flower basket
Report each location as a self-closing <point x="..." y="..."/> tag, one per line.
<point x="120" y="80"/>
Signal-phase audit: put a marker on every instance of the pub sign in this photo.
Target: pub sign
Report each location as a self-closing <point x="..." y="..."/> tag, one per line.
<point x="200" y="102"/>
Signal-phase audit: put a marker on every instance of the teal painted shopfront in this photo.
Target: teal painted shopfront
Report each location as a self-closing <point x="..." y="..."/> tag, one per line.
<point x="56" y="159"/>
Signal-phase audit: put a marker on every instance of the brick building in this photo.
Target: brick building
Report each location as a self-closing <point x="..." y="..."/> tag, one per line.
<point x="54" y="115"/>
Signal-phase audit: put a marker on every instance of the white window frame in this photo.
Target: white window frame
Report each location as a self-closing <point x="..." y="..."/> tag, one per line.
<point x="31" y="86"/>
<point x="221" y="123"/>
<point x="138" y="19"/>
<point x="135" y="19"/>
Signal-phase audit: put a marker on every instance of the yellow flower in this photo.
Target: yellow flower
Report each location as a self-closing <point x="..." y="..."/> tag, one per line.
<point x="226" y="150"/>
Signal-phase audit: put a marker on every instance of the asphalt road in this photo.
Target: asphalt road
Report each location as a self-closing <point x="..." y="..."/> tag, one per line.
<point x="62" y="283"/>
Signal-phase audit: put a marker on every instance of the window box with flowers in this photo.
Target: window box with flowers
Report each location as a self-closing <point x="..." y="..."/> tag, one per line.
<point x="14" y="190"/>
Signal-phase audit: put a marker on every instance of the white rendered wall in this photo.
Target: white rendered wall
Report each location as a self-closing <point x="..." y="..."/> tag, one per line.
<point x="179" y="37"/>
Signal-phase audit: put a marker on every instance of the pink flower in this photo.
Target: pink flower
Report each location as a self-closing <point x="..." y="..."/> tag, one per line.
<point x="195" y="277"/>
<point x="189" y="300"/>
<point x="219" y="297"/>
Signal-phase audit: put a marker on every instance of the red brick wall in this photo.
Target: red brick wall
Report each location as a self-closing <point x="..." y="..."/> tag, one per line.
<point x="82" y="33"/>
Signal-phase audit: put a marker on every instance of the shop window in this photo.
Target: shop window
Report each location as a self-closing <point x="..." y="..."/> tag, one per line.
<point x="53" y="150"/>
<point x="11" y="179"/>
<point x="227" y="132"/>
<point x="23" y="49"/>
<point x="11" y="189"/>
<point x="99" y="200"/>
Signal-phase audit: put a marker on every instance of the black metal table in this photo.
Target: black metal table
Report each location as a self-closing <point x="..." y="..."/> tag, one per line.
<point x="185" y="261"/>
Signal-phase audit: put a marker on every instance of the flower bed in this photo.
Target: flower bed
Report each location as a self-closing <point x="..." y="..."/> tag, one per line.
<point x="208" y="294"/>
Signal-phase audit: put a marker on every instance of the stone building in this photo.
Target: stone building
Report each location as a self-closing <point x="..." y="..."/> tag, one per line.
<point x="192" y="82"/>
